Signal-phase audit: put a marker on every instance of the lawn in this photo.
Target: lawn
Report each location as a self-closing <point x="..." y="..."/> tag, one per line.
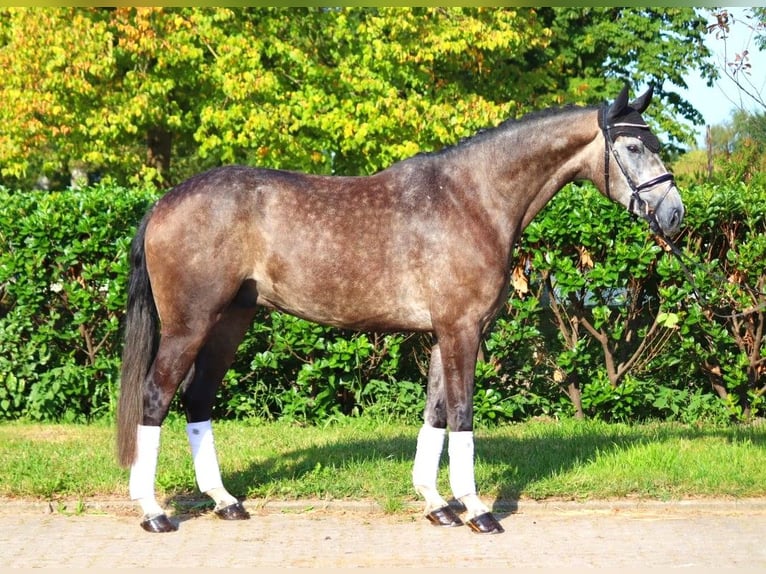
<point x="364" y="459"/>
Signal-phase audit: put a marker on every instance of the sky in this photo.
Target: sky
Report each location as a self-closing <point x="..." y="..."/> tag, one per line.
<point x="717" y="103"/>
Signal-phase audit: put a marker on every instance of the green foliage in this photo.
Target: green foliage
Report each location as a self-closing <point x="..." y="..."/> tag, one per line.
<point x="601" y="322"/>
<point x="292" y="369"/>
<point x="63" y="266"/>
<point x="596" y="274"/>
<point x="122" y="91"/>
<point x="722" y="325"/>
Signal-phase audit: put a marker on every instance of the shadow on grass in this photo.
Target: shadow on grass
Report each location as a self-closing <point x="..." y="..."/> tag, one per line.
<point x="506" y="465"/>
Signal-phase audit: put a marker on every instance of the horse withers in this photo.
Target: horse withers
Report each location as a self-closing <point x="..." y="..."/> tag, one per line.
<point x="425" y="245"/>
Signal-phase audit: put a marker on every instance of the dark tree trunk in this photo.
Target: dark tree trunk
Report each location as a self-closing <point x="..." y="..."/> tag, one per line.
<point x="158" y="147"/>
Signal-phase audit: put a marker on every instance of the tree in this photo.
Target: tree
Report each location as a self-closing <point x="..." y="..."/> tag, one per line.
<point x="736" y="66"/>
<point x="42" y="110"/>
<point x="363" y="81"/>
<point x="160" y="93"/>
<point x="598" y="49"/>
<point x="105" y="89"/>
<point x="351" y="91"/>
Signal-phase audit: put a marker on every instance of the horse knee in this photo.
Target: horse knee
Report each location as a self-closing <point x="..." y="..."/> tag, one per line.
<point x="460" y="418"/>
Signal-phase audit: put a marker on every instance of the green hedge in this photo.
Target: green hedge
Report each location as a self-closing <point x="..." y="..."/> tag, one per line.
<point x="601" y="321"/>
<point x="63" y="266"/>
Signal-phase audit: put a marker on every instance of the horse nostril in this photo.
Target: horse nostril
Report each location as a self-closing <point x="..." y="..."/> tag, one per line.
<point x="675" y="219"/>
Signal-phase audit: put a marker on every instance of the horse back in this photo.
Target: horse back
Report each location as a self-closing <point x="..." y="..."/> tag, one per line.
<point x="375" y="252"/>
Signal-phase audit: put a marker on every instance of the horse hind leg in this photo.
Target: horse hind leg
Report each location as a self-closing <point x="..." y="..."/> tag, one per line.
<point x="174" y="358"/>
<point x="198" y="396"/>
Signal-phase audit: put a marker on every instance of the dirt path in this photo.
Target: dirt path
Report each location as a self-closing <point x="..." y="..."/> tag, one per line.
<point x="606" y="534"/>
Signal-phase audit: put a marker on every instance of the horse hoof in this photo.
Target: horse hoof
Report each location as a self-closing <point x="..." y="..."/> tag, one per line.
<point x="485" y="524"/>
<point x="444" y="516"/>
<point x="234" y="511"/>
<point x="158" y="523"/>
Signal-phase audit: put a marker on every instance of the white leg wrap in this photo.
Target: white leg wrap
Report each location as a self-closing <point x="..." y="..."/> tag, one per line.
<point x="461" y="476"/>
<point x="206" y="466"/>
<point x="203" y="452"/>
<point x="461" y="473"/>
<point x="426" y="467"/>
<point x="144" y="469"/>
<point x="427" y="456"/>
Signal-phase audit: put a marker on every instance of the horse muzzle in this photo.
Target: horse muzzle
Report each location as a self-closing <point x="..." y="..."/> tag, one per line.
<point x="669" y="213"/>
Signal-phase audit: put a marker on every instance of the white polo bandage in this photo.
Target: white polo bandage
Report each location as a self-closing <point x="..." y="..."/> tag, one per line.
<point x="203" y="453"/>
<point x="144" y="468"/>
<point x="461" y="474"/>
<point x="427" y="456"/>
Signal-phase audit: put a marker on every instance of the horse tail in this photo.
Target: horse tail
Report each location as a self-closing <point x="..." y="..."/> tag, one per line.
<point x="140" y="346"/>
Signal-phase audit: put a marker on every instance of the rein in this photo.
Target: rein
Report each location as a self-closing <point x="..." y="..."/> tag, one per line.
<point x="646" y="214"/>
<point x="683" y="260"/>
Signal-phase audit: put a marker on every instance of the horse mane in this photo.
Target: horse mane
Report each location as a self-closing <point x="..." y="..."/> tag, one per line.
<point x="510" y="124"/>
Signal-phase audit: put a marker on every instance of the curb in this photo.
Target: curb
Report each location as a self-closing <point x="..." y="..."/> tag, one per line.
<point x="191" y="505"/>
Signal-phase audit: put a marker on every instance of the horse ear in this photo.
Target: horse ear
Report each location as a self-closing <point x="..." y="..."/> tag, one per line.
<point x="618" y="106"/>
<point x="642" y="102"/>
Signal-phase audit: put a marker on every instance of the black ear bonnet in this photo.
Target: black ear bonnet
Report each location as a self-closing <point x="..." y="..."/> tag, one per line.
<point x="629" y="123"/>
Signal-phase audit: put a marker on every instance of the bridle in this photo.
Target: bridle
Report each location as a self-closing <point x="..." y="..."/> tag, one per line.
<point x="636" y="201"/>
<point x="638" y="206"/>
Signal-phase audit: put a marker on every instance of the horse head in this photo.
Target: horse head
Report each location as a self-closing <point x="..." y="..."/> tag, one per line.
<point x="634" y="174"/>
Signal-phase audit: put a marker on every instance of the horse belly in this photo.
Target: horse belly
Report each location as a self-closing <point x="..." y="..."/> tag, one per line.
<point x="347" y="296"/>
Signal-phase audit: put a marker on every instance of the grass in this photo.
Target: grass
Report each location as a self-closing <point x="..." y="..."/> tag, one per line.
<point x="362" y="459"/>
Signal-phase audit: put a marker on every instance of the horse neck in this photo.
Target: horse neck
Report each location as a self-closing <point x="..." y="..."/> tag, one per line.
<point x="526" y="163"/>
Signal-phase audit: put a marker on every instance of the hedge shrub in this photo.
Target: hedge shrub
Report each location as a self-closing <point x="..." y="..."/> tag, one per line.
<point x="63" y="265"/>
<point x="601" y="320"/>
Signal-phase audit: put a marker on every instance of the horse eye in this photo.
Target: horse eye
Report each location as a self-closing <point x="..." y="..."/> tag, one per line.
<point x="634" y="148"/>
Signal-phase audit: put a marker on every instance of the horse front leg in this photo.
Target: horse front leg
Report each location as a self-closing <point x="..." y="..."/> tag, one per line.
<point x="459" y="350"/>
<point x="430" y="445"/>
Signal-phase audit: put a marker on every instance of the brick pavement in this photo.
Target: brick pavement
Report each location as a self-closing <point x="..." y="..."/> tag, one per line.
<point x="709" y="534"/>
